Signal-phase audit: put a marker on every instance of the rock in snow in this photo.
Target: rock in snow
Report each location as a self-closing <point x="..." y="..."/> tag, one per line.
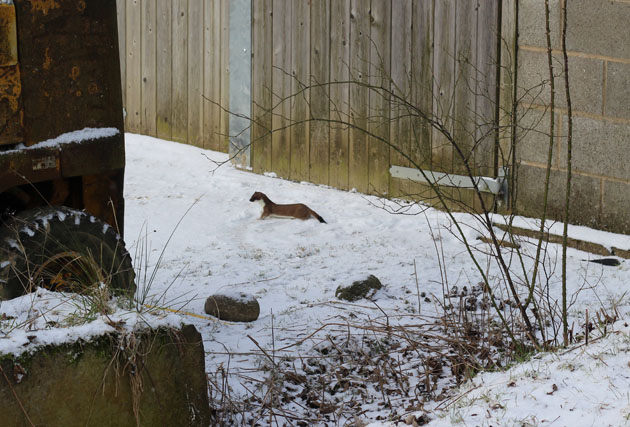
<point x="239" y="307"/>
<point x="359" y="289"/>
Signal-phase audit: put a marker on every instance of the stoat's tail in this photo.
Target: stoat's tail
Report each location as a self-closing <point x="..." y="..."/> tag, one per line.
<point x="319" y="218"/>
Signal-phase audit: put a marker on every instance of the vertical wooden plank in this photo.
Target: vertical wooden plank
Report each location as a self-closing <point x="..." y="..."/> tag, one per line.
<point x="134" y="65"/>
<point x="282" y="85"/>
<point x="320" y="101"/>
<point x="207" y="74"/>
<point x="444" y="82"/>
<point x="400" y="127"/>
<point x="225" y="75"/>
<point x="212" y="75"/>
<point x="359" y="94"/>
<point x="180" y="71"/>
<point x="486" y="99"/>
<point x="508" y="76"/>
<point x="121" y="6"/>
<point x="465" y="83"/>
<point x="422" y="79"/>
<point x="507" y="84"/>
<point x="300" y="70"/>
<point x="443" y="92"/>
<point x="164" y="69"/>
<point x="149" y="67"/>
<point x="464" y="115"/>
<point x="422" y="86"/>
<point x="261" y="85"/>
<point x="195" y="72"/>
<point x="379" y="76"/>
<point x="339" y="92"/>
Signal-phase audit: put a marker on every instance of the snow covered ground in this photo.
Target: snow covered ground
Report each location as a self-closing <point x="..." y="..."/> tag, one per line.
<point x="586" y="386"/>
<point x="198" y="217"/>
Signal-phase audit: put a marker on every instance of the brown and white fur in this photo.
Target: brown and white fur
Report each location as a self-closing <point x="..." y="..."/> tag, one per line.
<point x="297" y="210"/>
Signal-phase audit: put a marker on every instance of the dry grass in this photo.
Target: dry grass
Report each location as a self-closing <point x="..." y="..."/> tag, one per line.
<point x="351" y="370"/>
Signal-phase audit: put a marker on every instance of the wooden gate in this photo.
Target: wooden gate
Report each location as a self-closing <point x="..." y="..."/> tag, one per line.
<point x="323" y="71"/>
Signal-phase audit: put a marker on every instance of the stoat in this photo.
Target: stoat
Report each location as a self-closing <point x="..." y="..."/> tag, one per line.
<point x="297" y="210"/>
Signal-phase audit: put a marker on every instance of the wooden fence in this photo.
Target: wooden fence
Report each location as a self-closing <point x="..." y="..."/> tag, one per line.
<point x="436" y="56"/>
<point x="173" y="54"/>
<point x="322" y="60"/>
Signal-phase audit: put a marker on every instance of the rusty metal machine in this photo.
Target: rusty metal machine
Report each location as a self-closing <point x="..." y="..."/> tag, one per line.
<point x="61" y="145"/>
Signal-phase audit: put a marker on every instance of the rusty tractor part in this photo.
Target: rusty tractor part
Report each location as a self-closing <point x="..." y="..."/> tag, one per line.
<point x="61" y="114"/>
<point x="61" y="249"/>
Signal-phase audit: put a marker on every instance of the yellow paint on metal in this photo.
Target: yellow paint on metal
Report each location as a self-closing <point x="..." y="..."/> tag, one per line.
<point x="44" y="6"/>
<point x="8" y="36"/>
<point x="47" y="59"/>
<point x="11" y="114"/>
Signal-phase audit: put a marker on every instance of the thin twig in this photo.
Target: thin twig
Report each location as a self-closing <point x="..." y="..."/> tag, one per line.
<point x="17" y="399"/>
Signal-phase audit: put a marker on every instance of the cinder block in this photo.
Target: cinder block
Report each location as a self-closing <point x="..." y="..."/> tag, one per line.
<point x="599" y="27"/>
<point x="531" y="23"/>
<point x="599" y="147"/>
<point x="618" y="90"/>
<point x="586" y="77"/>
<point x="584" y="202"/>
<point x="586" y="83"/>
<point x="533" y="77"/>
<point x="616" y="207"/>
<point x="533" y="136"/>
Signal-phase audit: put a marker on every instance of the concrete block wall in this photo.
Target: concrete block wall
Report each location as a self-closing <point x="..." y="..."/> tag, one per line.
<point x="598" y="43"/>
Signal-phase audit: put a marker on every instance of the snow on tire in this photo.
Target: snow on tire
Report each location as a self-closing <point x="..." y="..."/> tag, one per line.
<point x="61" y="249"/>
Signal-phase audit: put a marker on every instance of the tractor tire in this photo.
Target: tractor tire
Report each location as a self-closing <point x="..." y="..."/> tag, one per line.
<point x="62" y="249"/>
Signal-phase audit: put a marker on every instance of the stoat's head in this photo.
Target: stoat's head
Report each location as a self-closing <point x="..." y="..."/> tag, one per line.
<point x="257" y="196"/>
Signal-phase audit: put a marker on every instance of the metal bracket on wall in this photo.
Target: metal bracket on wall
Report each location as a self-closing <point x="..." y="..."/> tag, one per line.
<point x="496" y="185"/>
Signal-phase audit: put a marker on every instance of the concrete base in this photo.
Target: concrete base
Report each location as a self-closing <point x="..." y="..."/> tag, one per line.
<point x="162" y="372"/>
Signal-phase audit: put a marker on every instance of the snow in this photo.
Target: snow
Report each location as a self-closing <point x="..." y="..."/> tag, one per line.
<point x="193" y="233"/>
<point x="586" y="386"/>
<point x="69" y="138"/>
<point x="238" y="297"/>
<point x="45" y="318"/>
<point x="604" y="238"/>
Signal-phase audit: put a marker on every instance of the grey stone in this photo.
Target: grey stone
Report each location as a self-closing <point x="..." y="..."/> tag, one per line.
<point x="586" y="77"/>
<point x="599" y="27"/>
<point x="584" y="202"/>
<point x="533" y="136"/>
<point x="359" y="289"/>
<point x="616" y="207"/>
<point x="586" y="83"/>
<point x="599" y="147"/>
<point x="531" y="23"/>
<point x="618" y="90"/>
<point x="533" y="77"/>
<point x="239" y="307"/>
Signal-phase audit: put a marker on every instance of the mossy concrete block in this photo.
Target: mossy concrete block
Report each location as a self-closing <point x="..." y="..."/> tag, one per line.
<point x="359" y="289"/>
<point x="616" y="209"/>
<point x="584" y="200"/>
<point x="238" y="307"/>
<point x="96" y="383"/>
